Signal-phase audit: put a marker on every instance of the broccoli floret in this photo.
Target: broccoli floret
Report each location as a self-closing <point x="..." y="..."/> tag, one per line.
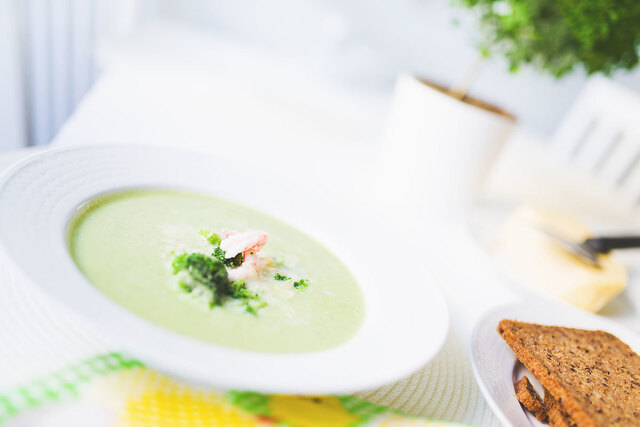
<point x="211" y="273"/>
<point x="184" y="286"/>
<point x="280" y="277"/>
<point x="179" y="263"/>
<point x="206" y="271"/>
<point x="301" y="284"/>
<point x="253" y="308"/>
<point x="234" y="262"/>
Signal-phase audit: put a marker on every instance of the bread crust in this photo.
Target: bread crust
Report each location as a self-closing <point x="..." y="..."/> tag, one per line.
<point x="527" y="395"/>
<point x="556" y="416"/>
<point x="593" y="376"/>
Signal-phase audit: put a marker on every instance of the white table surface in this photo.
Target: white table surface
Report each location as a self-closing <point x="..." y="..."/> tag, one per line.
<point x="209" y="98"/>
<point x="322" y="134"/>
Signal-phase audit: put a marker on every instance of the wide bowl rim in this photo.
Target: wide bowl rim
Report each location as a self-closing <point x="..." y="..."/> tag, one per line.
<point x="314" y="382"/>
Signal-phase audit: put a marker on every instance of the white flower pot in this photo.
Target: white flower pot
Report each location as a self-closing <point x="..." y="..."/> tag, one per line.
<point x="437" y="149"/>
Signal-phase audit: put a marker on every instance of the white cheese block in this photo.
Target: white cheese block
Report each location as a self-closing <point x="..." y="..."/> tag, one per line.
<point x="544" y="265"/>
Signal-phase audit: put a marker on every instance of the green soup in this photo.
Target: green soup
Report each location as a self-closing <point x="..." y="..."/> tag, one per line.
<point x="124" y="244"/>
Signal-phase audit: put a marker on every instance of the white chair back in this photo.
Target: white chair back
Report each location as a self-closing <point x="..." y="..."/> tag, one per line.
<point x="601" y="137"/>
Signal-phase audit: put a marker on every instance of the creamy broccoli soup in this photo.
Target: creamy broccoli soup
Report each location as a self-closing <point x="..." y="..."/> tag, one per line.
<point x="216" y="271"/>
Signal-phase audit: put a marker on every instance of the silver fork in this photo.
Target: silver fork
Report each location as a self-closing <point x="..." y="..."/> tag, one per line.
<point x="589" y="250"/>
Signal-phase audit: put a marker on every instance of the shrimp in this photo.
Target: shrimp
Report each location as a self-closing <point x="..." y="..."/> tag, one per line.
<point x="249" y="269"/>
<point x="226" y="233"/>
<point x="249" y="243"/>
<point x="246" y="242"/>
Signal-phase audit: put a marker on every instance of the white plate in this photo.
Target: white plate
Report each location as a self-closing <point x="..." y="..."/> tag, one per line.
<point x="406" y="318"/>
<point x="496" y="367"/>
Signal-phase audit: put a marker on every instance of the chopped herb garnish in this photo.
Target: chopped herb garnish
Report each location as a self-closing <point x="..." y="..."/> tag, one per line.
<point x="280" y="277"/>
<point x="219" y="254"/>
<point x="212" y="238"/>
<point x="301" y="284"/>
<point x="234" y="262"/>
<point x="253" y="309"/>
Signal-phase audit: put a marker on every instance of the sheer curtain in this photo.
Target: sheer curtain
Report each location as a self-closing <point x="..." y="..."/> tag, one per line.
<point x="47" y="61"/>
<point x="13" y="131"/>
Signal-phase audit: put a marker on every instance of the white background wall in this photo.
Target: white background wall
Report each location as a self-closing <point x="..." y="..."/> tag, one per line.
<point x="368" y="42"/>
<point x="47" y="48"/>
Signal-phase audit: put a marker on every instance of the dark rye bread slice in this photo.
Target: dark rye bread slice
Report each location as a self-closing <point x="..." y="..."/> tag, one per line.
<point x="556" y="417"/>
<point x="527" y="395"/>
<point x="592" y="375"/>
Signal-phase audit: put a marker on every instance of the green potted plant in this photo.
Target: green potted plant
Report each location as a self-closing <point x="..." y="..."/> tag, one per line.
<point x="558" y="36"/>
